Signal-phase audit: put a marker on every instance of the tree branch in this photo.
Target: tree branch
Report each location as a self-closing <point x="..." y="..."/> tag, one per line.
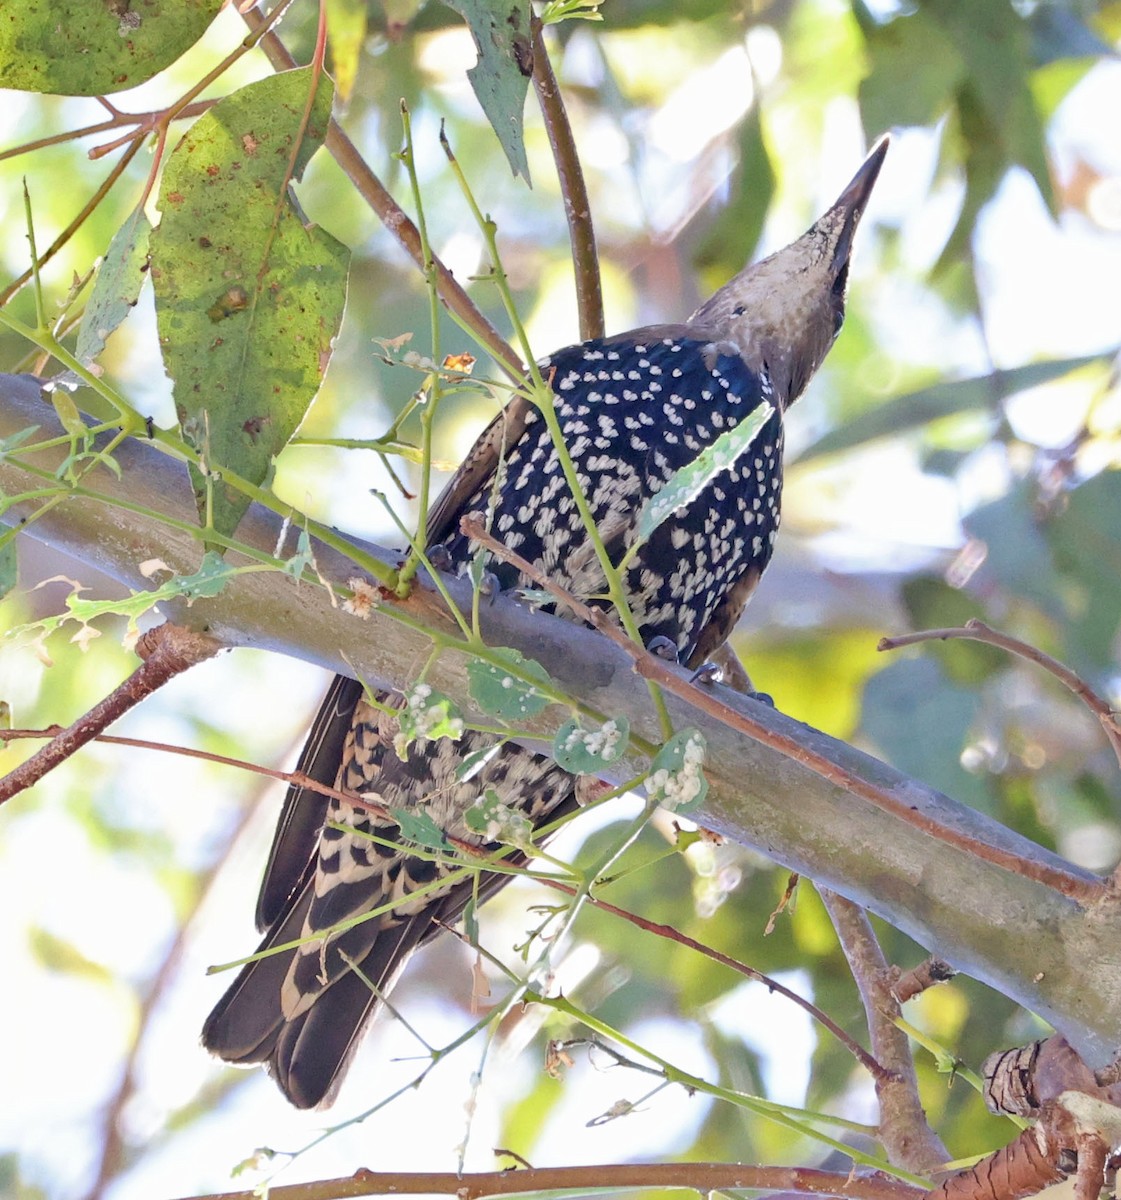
<point x="570" y="174"/>
<point x="702" y="1177"/>
<point x="904" y="1130"/>
<point x="1052" y="954"/>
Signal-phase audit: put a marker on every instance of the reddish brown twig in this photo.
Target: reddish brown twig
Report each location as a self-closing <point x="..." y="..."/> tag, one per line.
<point x="866" y="1060"/>
<point x="700" y="1177"/>
<point x="393" y="217"/>
<point x="167" y="650"/>
<point x="978" y="631"/>
<point x="653" y="668"/>
<point x="296" y="778"/>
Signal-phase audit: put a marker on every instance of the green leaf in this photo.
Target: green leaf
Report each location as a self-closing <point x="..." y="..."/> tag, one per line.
<point x="676" y="780"/>
<point x="492" y="818"/>
<point x="686" y="484"/>
<point x="95" y="47"/>
<point x="933" y="604"/>
<point x="914" y="71"/>
<point x="57" y="954"/>
<point x="501" y="76"/>
<point x="418" y="827"/>
<point x="500" y="693"/>
<point x="920" y="722"/>
<point x="1085" y="540"/>
<point x="733" y="236"/>
<point x="1017" y="557"/>
<point x="427" y="715"/>
<point x="8" y="567"/>
<point x="248" y="298"/>
<point x="116" y="288"/>
<point x="209" y="580"/>
<point x="346" y="34"/>
<point x="902" y="414"/>
<point x="587" y="751"/>
<point x="15" y="440"/>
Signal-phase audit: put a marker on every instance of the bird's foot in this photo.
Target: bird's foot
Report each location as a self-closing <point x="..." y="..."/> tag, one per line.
<point x="663" y="647"/>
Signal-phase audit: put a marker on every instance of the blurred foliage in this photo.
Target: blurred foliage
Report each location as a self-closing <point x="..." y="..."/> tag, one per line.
<point x="939" y="470"/>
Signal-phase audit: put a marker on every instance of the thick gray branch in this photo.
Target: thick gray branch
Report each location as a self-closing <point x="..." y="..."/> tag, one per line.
<point x="1025" y="939"/>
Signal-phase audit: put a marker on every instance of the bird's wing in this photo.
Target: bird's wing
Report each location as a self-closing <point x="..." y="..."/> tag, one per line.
<point x="296" y="839"/>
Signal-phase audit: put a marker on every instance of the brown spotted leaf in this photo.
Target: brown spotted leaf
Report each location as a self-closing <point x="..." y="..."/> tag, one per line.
<point x="248" y="297"/>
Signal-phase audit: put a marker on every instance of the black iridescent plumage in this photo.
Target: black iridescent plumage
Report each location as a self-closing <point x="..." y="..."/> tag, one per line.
<point x="634" y="409"/>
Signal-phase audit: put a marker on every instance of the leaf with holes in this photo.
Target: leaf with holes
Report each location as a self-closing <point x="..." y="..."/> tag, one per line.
<point x="676" y="780"/>
<point x="501" y="693"/>
<point x="587" y="751"/>
<point x="248" y="297"/>
<point x="418" y="827"/>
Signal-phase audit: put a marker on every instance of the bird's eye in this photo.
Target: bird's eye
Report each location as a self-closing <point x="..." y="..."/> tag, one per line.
<point x="738" y="311"/>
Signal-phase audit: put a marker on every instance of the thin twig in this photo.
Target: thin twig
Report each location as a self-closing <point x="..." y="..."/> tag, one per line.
<point x="168" y="650"/>
<point x="295" y="778"/>
<point x="394" y="218"/>
<point x="866" y="1060"/>
<point x="570" y="175"/>
<point x="700" y="1177"/>
<point x="905" y="1133"/>
<point x="118" y="170"/>
<point x="651" y="667"/>
<point x="978" y="631"/>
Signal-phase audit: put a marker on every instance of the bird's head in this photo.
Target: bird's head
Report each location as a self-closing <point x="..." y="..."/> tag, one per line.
<point x="785" y="312"/>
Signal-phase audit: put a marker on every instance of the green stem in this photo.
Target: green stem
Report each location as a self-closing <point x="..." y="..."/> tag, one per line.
<point x="433" y="384"/>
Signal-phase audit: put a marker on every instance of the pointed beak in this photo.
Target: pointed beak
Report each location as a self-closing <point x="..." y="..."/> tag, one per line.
<point x="851" y="203"/>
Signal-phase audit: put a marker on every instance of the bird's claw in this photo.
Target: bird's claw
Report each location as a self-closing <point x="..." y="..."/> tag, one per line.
<point x="708" y="672"/>
<point x="663" y="647"/>
<point x="489" y="585"/>
<point x="440" y="557"/>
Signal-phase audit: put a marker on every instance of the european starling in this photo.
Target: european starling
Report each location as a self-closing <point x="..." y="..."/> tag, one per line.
<point x="635" y="408"/>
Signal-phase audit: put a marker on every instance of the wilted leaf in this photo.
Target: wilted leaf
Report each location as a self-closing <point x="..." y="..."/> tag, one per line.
<point x="248" y="298"/>
<point x="94" y="47"/>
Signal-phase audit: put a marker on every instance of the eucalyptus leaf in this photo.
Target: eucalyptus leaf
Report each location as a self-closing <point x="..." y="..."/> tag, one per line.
<point x="94" y="47"/>
<point x="248" y="298"/>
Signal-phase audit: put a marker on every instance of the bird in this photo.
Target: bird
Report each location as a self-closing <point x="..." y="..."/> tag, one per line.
<point x="635" y="408"/>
